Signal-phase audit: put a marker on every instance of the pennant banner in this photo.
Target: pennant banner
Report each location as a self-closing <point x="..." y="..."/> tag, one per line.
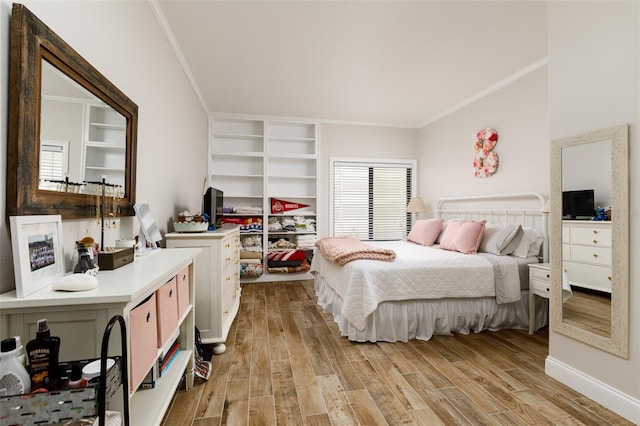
<point x="281" y="206"/>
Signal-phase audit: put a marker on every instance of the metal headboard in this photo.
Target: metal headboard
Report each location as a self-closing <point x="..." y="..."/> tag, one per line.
<point x="523" y="208"/>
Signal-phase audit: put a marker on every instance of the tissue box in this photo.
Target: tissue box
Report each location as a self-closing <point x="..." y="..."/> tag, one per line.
<point x="109" y="260"/>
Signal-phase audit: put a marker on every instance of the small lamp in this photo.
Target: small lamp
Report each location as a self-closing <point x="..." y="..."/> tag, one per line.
<point x="416" y="206"/>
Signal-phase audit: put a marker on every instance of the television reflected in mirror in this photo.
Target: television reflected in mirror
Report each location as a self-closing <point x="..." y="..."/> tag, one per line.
<point x="578" y="205"/>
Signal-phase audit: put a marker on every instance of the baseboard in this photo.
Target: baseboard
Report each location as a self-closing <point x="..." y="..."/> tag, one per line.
<point x="616" y="401"/>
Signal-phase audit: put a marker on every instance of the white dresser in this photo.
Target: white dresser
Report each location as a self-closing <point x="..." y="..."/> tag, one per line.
<point x="586" y="254"/>
<point x="79" y="319"/>
<point x="217" y="280"/>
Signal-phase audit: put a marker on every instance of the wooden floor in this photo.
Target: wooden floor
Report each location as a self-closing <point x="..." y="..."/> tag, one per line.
<point x="589" y="310"/>
<point x="286" y="364"/>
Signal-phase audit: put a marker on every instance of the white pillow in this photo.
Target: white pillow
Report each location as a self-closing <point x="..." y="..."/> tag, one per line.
<point x="501" y="238"/>
<point x="529" y="244"/>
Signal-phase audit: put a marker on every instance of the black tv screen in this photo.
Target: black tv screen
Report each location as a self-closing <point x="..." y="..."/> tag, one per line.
<point x="213" y="200"/>
<point x="578" y="204"/>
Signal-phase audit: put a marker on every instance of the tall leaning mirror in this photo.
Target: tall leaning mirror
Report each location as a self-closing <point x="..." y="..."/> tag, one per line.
<point x="71" y="132"/>
<point x="589" y="225"/>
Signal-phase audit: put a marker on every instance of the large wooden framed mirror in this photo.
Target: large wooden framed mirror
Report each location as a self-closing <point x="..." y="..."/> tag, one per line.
<point x="69" y="126"/>
<point x="588" y="171"/>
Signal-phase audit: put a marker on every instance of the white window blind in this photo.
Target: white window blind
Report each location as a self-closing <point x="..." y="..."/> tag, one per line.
<point x="53" y="164"/>
<point x="370" y="199"/>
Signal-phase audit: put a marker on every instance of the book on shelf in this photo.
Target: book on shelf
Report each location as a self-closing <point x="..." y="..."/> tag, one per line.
<point x="172" y="355"/>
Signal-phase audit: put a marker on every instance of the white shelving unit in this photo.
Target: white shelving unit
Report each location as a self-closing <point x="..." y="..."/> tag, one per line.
<point x="105" y="145"/>
<point x="253" y="160"/>
<point x="79" y="319"/>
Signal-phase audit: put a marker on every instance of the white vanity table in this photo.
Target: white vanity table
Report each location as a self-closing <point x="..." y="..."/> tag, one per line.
<point x="79" y="319"/>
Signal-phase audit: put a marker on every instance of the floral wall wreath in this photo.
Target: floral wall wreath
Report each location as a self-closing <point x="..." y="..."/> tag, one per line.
<point x="485" y="160"/>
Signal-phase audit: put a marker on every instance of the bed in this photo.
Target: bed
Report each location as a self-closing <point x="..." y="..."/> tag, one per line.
<point x="425" y="290"/>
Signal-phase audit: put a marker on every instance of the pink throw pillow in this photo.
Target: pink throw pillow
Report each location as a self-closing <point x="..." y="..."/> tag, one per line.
<point x="463" y="236"/>
<point x="425" y="231"/>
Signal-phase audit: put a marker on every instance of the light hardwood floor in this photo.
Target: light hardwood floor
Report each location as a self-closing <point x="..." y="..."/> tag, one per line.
<point x="286" y="364"/>
<point x="590" y="310"/>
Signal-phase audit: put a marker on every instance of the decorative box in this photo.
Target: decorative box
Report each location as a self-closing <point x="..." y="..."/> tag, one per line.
<point x="113" y="259"/>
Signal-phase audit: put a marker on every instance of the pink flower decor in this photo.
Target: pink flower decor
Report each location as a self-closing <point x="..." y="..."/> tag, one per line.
<point x="485" y="160"/>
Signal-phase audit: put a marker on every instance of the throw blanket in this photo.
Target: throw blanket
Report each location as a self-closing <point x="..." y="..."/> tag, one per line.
<point x="343" y="250"/>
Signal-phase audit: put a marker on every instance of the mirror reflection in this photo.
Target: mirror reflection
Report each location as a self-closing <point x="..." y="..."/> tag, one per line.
<point x="590" y="238"/>
<point x="82" y="140"/>
<point x="586" y="235"/>
<point x="82" y="131"/>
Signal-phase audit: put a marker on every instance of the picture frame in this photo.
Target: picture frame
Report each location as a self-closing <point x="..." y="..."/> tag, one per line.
<point x="38" y="255"/>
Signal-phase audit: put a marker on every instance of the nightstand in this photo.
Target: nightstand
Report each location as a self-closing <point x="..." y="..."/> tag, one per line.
<point x="539" y="285"/>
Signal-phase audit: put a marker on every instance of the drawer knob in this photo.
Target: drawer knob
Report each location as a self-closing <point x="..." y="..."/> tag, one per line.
<point x="595" y="231"/>
<point x="227" y="278"/>
<point x="227" y="245"/>
<point x="148" y="316"/>
<point x="595" y="254"/>
<point x="547" y="275"/>
<point x="226" y="312"/>
<point x="547" y="288"/>
<point x="171" y="293"/>
<point x="227" y="259"/>
<point x="609" y="278"/>
<point x="595" y="241"/>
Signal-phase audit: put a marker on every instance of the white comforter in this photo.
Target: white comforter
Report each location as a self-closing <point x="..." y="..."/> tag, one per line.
<point x="418" y="272"/>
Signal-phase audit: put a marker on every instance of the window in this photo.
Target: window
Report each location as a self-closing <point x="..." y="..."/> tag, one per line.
<point x="369" y="198"/>
<point x="53" y="162"/>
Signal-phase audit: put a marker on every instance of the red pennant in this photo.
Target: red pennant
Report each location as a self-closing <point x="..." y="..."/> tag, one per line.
<point x="281" y="206"/>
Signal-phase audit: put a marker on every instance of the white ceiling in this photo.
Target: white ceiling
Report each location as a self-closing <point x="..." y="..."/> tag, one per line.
<point x="383" y="62"/>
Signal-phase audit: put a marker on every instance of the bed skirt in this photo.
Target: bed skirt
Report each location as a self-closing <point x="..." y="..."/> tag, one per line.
<point x="421" y="319"/>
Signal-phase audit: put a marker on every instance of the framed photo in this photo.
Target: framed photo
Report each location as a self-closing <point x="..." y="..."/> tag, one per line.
<point x="38" y="256"/>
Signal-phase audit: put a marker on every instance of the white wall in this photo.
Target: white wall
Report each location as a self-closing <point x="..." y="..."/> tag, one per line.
<point x="518" y="112"/>
<point x="344" y="140"/>
<point x="594" y="74"/>
<point x="125" y="43"/>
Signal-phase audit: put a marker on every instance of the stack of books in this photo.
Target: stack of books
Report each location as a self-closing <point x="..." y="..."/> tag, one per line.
<point x="165" y="362"/>
<point x="161" y="366"/>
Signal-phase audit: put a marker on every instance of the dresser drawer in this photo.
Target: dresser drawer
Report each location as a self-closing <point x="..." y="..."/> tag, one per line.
<point x="229" y="287"/>
<point x="539" y="281"/>
<point x="538" y="274"/>
<point x="597" y="255"/>
<point x="230" y="251"/>
<point x="540" y="287"/>
<point x="600" y="237"/>
<point x="588" y="276"/>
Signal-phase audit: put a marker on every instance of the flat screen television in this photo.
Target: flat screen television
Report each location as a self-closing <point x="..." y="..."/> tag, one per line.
<point x="578" y="204"/>
<point x="213" y="202"/>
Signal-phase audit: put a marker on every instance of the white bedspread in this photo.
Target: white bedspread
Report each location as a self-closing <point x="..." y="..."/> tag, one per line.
<point x="418" y="272"/>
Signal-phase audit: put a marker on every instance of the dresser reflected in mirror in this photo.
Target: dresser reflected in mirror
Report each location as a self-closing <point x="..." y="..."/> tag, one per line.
<point x="589" y="238"/>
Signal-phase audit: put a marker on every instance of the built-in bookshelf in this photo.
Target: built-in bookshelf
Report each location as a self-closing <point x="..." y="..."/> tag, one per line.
<point x="256" y="161"/>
